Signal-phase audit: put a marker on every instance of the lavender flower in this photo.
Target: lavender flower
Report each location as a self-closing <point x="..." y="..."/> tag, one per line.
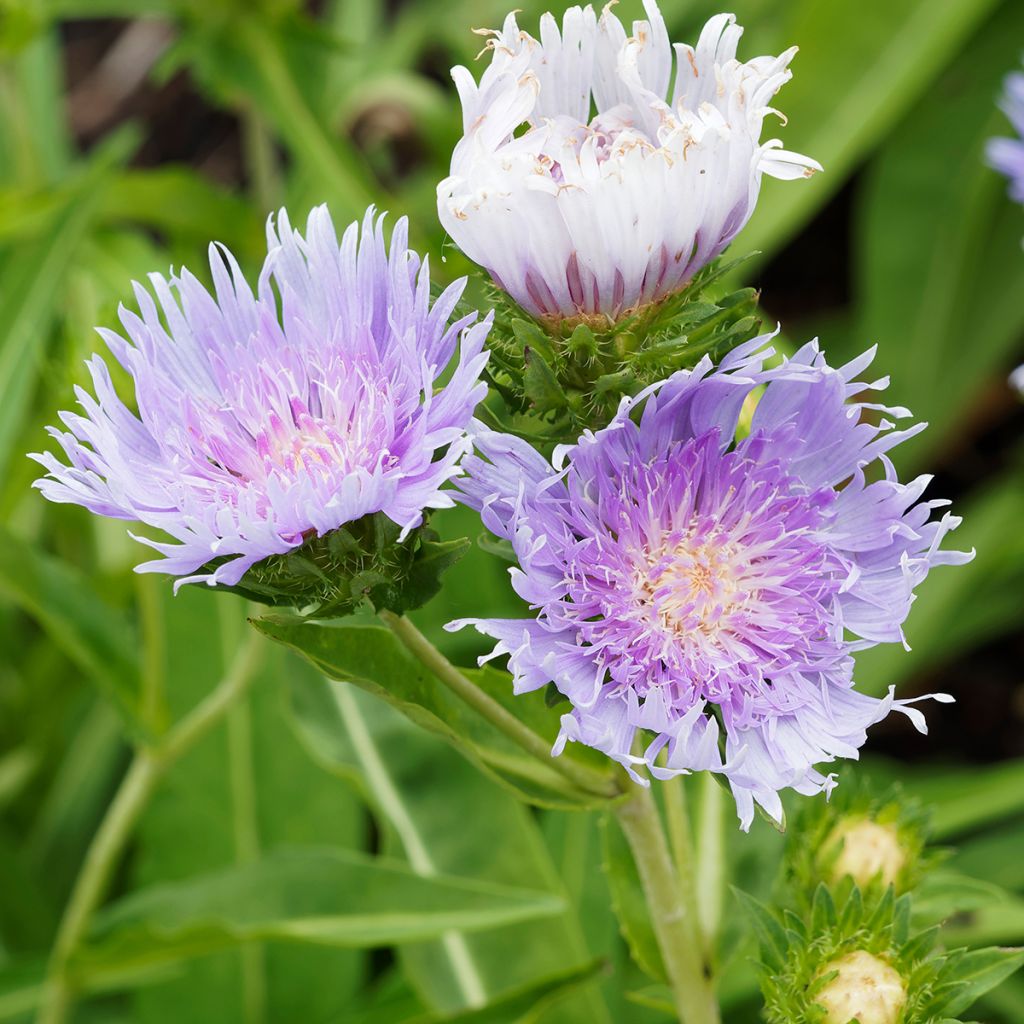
<point x="597" y="217"/>
<point x="686" y="579"/>
<point x="265" y="419"/>
<point x="1007" y="155"/>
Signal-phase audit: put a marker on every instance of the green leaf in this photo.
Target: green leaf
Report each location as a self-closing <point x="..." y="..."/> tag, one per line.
<point x="531" y="1003"/>
<point x="434" y="558"/>
<point x="943" y="893"/>
<point x="31" y="277"/>
<point x="938" y="246"/>
<point x="860" y="68"/>
<point x="97" y="639"/>
<point x="977" y="972"/>
<point x="245" y="790"/>
<point x="324" y="896"/>
<point x="541" y="385"/>
<point x="422" y="791"/>
<point x="960" y="608"/>
<point x="181" y="202"/>
<point x="363" y="652"/>
<point x="629" y="901"/>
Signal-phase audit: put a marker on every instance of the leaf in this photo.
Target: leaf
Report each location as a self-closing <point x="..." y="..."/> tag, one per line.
<point x="434" y="558"/>
<point x="245" y="790"/>
<point x="943" y="893"/>
<point x="977" y="972"/>
<point x="323" y="896"/>
<point x="770" y="933"/>
<point x="421" y="791"/>
<point x="362" y="652"/>
<point x="962" y="801"/>
<point x="938" y="253"/>
<point x="30" y="282"/>
<point x="530" y="1004"/>
<point x="629" y="901"/>
<point x="860" y="68"/>
<point x="655" y="997"/>
<point x="183" y="203"/>
<point x="249" y="59"/>
<point x="961" y="608"/>
<point x="997" y="924"/>
<point x="94" y="637"/>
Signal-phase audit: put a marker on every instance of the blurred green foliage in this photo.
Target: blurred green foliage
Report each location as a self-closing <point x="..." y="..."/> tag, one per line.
<point x="352" y="106"/>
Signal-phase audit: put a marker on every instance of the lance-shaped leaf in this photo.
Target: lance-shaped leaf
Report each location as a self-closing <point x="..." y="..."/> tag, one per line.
<point x="324" y="896"/>
<point x="92" y="635"/>
<point x="363" y="652"/>
<point x="421" y="793"/>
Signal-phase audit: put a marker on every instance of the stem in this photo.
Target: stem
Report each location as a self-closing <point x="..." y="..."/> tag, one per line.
<point x="676" y="929"/>
<point x="92" y="881"/>
<point x="152" y="705"/>
<point x="710" y="858"/>
<point x="504" y="721"/>
<point x="147" y="766"/>
<point x="680" y="838"/>
<point x="261" y="160"/>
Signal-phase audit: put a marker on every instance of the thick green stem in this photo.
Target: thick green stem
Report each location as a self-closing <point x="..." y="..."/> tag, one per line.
<point x="104" y="853"/>
<point x="710" y="874"/>
<point x="675" y="927"/>
<point x="430" y="657"/>
<point x="680" y="838"/>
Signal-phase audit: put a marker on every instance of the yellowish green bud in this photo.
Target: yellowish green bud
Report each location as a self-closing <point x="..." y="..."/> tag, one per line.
<point x="868" y="850"/>
<point x="866" y="989"/>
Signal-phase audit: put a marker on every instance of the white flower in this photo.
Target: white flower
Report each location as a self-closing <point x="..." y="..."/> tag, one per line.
<point x="617" y="191"/>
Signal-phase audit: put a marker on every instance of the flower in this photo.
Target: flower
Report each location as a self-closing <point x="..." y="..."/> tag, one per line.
<point x="266" y="419"/>
<point x="594" y="217"/>
<point x="865" y="988"/>
<point x="685" y="579"/>
<point x="1007" y="155"/>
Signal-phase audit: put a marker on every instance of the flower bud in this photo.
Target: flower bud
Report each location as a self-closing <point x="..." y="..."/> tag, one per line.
<point x="867" y="850"/>
<point x="866" y="989"/>
<point x="592" y="219"/>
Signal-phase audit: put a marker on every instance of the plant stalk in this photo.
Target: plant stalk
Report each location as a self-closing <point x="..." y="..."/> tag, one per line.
<point x="430" y="657"/>
<point x="675" y="925"/>
<point x="147" y="767"/>
<point x="681" y="846"/>
<point x="710" y="873"/>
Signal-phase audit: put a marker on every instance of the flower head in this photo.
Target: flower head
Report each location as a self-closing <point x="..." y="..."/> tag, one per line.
<point x="687" y="579"/>
<point x="1007" y="155"/>
<point x="865" y="988"/>
<point x="866" y="850"/>
<point x="618" y="190"/>
<point x="266" y="418"/>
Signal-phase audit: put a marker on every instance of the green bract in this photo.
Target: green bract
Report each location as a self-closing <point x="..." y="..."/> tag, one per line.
<point x="555" y="379"/>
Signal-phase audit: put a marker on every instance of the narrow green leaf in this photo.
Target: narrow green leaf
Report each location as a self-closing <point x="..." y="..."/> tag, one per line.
<point x="322" y="896"/>
<point x="96" y="638"/>
<point x="247" y="787"/>
<point x="362" y="652"/>
<point x="981" y="970"/>
<point x="363" y="739"/>
<point x="30" y="282"/>
<point x="860" y="68"/>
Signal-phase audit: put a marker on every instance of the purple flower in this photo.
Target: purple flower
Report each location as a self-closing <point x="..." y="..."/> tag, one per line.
<point x="265" y="419"/>
<point x="1007" y="155"/>
<point x="584" y="184"/>
<point x="690" y="576"/>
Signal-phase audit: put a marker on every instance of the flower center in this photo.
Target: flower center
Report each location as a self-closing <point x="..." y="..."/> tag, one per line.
<point x="691" y="586"/>
<point x="607" y="136"/>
